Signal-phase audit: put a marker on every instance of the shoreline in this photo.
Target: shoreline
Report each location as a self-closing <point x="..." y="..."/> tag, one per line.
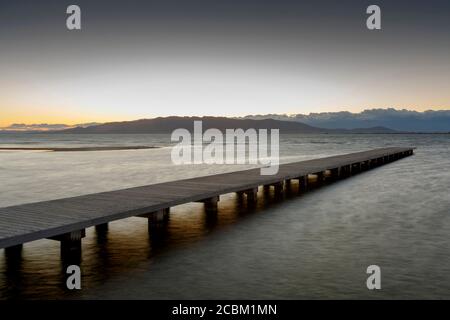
<point x="62" y="149"/>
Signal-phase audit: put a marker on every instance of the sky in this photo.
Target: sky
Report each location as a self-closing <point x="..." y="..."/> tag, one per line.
<point x="143" y="59"/>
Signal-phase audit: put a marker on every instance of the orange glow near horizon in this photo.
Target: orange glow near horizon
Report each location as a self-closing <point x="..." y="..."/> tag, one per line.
<point x="113" y="89"/>
<point x="52" y="119"/>
<point x="41" y="115"/>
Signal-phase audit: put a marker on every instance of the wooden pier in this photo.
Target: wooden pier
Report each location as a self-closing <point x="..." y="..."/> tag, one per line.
<point x="65" y="220"/>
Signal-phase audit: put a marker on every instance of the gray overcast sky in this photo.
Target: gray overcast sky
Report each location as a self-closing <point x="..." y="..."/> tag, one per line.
<point x="135" y="59"/>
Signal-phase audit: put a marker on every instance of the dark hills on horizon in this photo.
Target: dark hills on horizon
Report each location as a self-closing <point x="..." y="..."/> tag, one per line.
<point x="169" y="124"/>
<point x="368" y="121"/>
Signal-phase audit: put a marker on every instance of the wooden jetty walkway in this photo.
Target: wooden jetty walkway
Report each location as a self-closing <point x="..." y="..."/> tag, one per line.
<point x="66" y="219"/>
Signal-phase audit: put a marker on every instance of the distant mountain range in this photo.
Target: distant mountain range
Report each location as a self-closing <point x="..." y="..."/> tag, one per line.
<point x="368" y="121"/>
<point x="169" y="124"/>
<point x="401" y="120"/>
<point x="38" y="127"/>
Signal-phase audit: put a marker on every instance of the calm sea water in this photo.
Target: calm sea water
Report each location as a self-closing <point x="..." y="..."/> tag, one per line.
<point x="316" y="245"/>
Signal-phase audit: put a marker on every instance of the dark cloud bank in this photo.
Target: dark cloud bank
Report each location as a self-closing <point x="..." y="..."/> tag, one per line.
<point x="402" y="120"/>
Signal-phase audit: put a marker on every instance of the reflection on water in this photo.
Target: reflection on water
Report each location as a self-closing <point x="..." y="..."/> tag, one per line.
<point x="124" y="248"/>
<point x="312" y="245"/>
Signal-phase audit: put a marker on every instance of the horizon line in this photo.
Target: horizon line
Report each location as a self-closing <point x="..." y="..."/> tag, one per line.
<point x="75" y="124"/>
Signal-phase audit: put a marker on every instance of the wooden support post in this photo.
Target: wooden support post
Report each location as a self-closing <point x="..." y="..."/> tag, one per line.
<point x="157" y="218"/>
<point x="320" y="177"/>
<point x="335" y="173"/>
<point x="211" y="204"/>
<point x="101" y="228"/>
<point x="70" y="244"/>
<point x="14" y="251"/>
<point x="288" y="186"/>
<point x="350" y="169"/>
<point x="356" y="167"/>
<point x="252" y="195"/>
<point x="302" y="183"/>
<point x="347" y="171"/>
<point x="101" y="231"/>
<point x="160" y="216"/>
<point x="279" y="186"/>
<point x="365" y="165"/>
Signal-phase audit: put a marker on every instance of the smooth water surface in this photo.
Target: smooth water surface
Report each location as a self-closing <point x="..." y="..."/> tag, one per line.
<point x="314" y="245"/>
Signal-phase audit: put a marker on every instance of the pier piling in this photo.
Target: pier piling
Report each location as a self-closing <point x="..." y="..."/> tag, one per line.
<point x="70" y="243"/>
<point x="211" y="204"/>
